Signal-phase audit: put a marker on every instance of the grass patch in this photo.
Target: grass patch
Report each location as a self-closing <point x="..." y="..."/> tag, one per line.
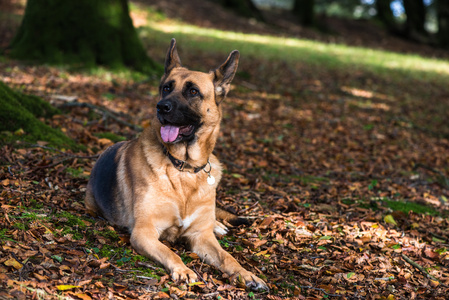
<point x="318" y="54"/>
<point x="4" y="236"/>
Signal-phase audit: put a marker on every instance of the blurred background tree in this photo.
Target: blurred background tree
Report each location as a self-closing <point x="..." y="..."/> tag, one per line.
<point x="304" y="9"/>
<point x="101" y="32"/>
<point x="423" y="21"/>
<point x="245" y="8"/>
<point x="443" y="22"/>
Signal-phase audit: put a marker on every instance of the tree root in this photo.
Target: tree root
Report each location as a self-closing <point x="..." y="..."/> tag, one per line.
<point x="102" y="110"/>
<point x="419" y="267"/>
<point x="441" y="178"/>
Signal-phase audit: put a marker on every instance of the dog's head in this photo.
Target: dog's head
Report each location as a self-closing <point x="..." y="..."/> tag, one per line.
<point x="190" y="100"/>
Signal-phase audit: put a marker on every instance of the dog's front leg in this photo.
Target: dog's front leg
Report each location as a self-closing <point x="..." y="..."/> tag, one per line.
<point x="208" y="249"/>
<point x="145" y="241"/>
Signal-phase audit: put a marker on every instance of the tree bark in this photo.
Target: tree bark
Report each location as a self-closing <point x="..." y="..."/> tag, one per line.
<point x="80" y="32"/>
<point x="245" y="8"/>
<point x="304" y="9"/>
<point x="416" y="17"/>
<point x="385" y="14"/>
<point x="443" y="23"/>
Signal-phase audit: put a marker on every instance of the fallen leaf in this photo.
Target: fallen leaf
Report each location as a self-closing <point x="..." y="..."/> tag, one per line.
<point x="196" y="283"/>
<point x="390" y="220"/>
<point x="266" y="222"/>
<point x="64" y="287"/>
<point x="81" y="296"/>
<point x="13" y="263"/>
<point x="104" y="141"/>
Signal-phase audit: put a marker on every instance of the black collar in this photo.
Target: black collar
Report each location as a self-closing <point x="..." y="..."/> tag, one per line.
<point x="182" y="165"/>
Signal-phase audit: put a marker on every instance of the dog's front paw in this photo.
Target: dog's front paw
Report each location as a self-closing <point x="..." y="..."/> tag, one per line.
<point x="184" y="274"/>
<point x="220" y="228"/>
<point x="251" y="281"/>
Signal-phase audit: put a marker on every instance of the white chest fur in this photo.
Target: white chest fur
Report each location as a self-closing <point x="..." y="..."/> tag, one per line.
<point x="188" y="220"/>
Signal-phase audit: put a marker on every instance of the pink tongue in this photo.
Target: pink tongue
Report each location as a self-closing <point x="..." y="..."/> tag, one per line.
<point x="169" y="133"/>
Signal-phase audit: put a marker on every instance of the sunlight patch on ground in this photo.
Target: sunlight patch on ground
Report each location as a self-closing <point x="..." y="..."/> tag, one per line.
<point x="292" y="49"/>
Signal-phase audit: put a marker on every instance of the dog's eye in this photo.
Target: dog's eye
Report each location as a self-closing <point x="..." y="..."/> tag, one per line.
<point x="194" y="92"/>
<point x="166" y="89"/>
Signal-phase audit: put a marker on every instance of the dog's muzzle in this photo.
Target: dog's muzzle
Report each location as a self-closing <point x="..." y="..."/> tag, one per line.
<point x="179" y="122"/>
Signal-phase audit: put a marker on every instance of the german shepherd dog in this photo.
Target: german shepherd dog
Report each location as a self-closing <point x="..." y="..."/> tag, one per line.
<point x="162" y="185"/>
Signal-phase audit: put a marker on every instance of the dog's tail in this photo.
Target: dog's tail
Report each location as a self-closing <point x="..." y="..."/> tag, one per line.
<point x="223" y="215"/>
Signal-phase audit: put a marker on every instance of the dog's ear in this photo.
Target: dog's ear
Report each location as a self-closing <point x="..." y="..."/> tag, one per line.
<point x="224" y="74"/>
<point x="172" y="59"/>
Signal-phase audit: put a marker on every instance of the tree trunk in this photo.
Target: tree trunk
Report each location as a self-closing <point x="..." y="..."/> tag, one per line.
<point x="80" y="32"/>
<point x="20" y="117"/>
<point x="304" y="9"/>
<point x="443" y="23"/>
<point x="245" y="8"/>
<point x="416" y="17"/>
<point x="385" y="14"/>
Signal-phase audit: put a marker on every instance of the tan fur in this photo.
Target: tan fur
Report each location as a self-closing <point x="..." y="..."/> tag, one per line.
<point x="157" y="202"/>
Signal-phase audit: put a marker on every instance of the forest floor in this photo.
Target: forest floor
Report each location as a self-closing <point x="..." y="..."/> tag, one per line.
<point x="343" y="174"/>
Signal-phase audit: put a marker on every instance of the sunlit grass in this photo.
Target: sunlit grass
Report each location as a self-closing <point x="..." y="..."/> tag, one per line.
<point x="293" y="50"/>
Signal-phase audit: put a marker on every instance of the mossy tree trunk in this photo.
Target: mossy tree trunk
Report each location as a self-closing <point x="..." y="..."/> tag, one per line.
<point x="19" y="120"/>
<point x="80" y="32"/>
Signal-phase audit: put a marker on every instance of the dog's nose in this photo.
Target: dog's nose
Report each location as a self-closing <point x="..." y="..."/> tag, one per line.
<point x="164" y="106"/>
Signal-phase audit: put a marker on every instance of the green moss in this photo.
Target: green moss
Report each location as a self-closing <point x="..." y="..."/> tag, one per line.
<point x="347" y="201"/>
<point x="401" y="205"/>
<point x="77" y="173"/>
<point x="108" y="234"/>
<point x="406" y="207"/>
<point x="28" y="216"/>
<point x="71" y="219"/>
<point x="149" y="272"/>
<point x="308" y="179"/>
<point x="185" y="258"/>
<point x="70" y="224"/>
<point x="21" y="112"/>
<point x="120" y="254"/>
